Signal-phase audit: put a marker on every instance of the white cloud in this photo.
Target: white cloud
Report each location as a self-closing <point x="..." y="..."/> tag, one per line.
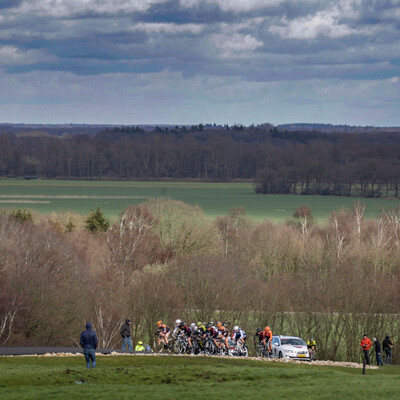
<point x="234" y="45"/>
<point x="67" y="8"/>
<point x="323" y="23"/>
<point x="168" y="28"/>
<point x="234" y="5"/>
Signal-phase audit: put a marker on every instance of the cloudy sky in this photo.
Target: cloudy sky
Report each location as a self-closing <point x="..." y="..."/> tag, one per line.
<point x="192" y="61"/>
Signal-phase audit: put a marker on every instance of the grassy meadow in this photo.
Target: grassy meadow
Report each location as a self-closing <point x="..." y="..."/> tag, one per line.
<point x="46" y="196"/>
<point x="144" y="377"/>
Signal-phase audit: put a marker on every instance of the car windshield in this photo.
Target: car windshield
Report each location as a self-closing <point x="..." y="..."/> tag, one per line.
<point x="294" y="342"/>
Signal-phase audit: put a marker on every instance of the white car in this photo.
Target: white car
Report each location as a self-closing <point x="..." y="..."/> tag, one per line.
<point x="290" y="347"/>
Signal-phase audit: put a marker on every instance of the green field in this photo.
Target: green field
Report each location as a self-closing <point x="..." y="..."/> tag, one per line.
<point x="164" y="378"/>
<point x="46" y="196"/>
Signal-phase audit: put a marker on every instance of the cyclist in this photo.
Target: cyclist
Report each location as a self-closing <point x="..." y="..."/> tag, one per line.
<point x="184" y="329"/>
<point x="239" y="335"/>
<point x="177" y="329"/>
<point x="163" y="332"/>
<point x="212" y="333"/>
<point x="201" y="334"/>
<point x="223" y="335"/>
<point x="193" y="328"/>
<point x="268" y="338"/>
<point x="312" y="347"/>
<point x="201" y="328"/>
<point x="259" y="334"/>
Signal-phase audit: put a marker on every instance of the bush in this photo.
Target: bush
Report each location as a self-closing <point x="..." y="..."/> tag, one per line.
<point x="96" y="221"/>
<point x="22" y="215"/>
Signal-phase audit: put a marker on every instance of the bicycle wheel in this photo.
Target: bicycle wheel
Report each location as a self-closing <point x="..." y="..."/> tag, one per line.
<point x="209" y="348"/>
<point x="158" y="346"/>
<point x="177" y="349"/>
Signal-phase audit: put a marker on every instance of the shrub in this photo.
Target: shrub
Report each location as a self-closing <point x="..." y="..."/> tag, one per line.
<point x="96" y="221"/>
<point x="22" y="215"/>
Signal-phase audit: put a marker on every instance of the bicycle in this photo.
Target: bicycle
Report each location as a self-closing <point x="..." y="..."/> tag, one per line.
<point x="312" y="351"/>
<point x="240" y="350"/>
<point x="261" y="350"/>
<point x="181" y="345"/>
<point x="159" y="345"/>
<point x="209" y="347"/>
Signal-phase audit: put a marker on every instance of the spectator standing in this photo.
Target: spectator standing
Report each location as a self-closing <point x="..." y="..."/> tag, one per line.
<point x="89" y="345"/>
<point x="387" y="348"/>
<point x="366" y="345"/>
<point x="126" y="335"/>
<point x="378" y="351"/>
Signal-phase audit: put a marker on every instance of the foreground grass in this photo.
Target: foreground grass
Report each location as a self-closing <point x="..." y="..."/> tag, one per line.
<point x="141" y="377"/>
<point x="46" y="196"/>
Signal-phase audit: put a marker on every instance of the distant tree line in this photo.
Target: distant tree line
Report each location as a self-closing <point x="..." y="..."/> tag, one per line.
<point x="366" y="164"/>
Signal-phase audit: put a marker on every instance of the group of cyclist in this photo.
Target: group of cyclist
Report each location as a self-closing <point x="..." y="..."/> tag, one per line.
<point x="219" y="334"/>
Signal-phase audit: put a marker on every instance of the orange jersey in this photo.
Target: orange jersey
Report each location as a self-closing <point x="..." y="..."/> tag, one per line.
<point x="268" y="334"/>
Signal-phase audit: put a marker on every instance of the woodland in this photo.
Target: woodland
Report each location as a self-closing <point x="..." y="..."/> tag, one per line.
<point x="164" y="259"/>
<point x="363" y="164"/>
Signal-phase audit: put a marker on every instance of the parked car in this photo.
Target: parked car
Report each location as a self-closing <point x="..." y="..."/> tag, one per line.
<point x="290" y="347"/>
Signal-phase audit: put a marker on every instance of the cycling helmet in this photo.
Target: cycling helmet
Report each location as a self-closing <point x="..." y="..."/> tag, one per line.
<point x="219" y="324"/>
<point x="235" y="328"/>
<point x="312" y="338"/>
<point x="192" y="325"/>
<point x="178" y="321"/>
<point x="199" y="323"/>
<point x="208" y="326"/>
<point x="267" y="328"/>
<point x="258" y="330"/>
<point x="159" y="323"/>
<point x="140" y="342"/>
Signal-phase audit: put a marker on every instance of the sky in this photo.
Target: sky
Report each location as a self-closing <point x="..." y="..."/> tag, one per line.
<point x="200" y="61"/>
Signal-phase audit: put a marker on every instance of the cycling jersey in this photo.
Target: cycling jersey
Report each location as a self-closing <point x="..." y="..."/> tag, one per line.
<point x="213" y="333"/>
<point x="186" y="330"/>
<point x="260" y="336"/>
<point x="163" y="328"/>
<point x="240" y="334"/>
<point x="267" y="334"/>
<point x="223" y="331"/>
<point x="311" y="343"/>
<point x="201" y="329"/>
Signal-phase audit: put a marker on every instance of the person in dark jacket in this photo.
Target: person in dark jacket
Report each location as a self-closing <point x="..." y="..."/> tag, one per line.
<point x="89" y="344"/>
<point x="387" y="348"/>
<point x="126" y="335"/>
<point x="378" y="351"/>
